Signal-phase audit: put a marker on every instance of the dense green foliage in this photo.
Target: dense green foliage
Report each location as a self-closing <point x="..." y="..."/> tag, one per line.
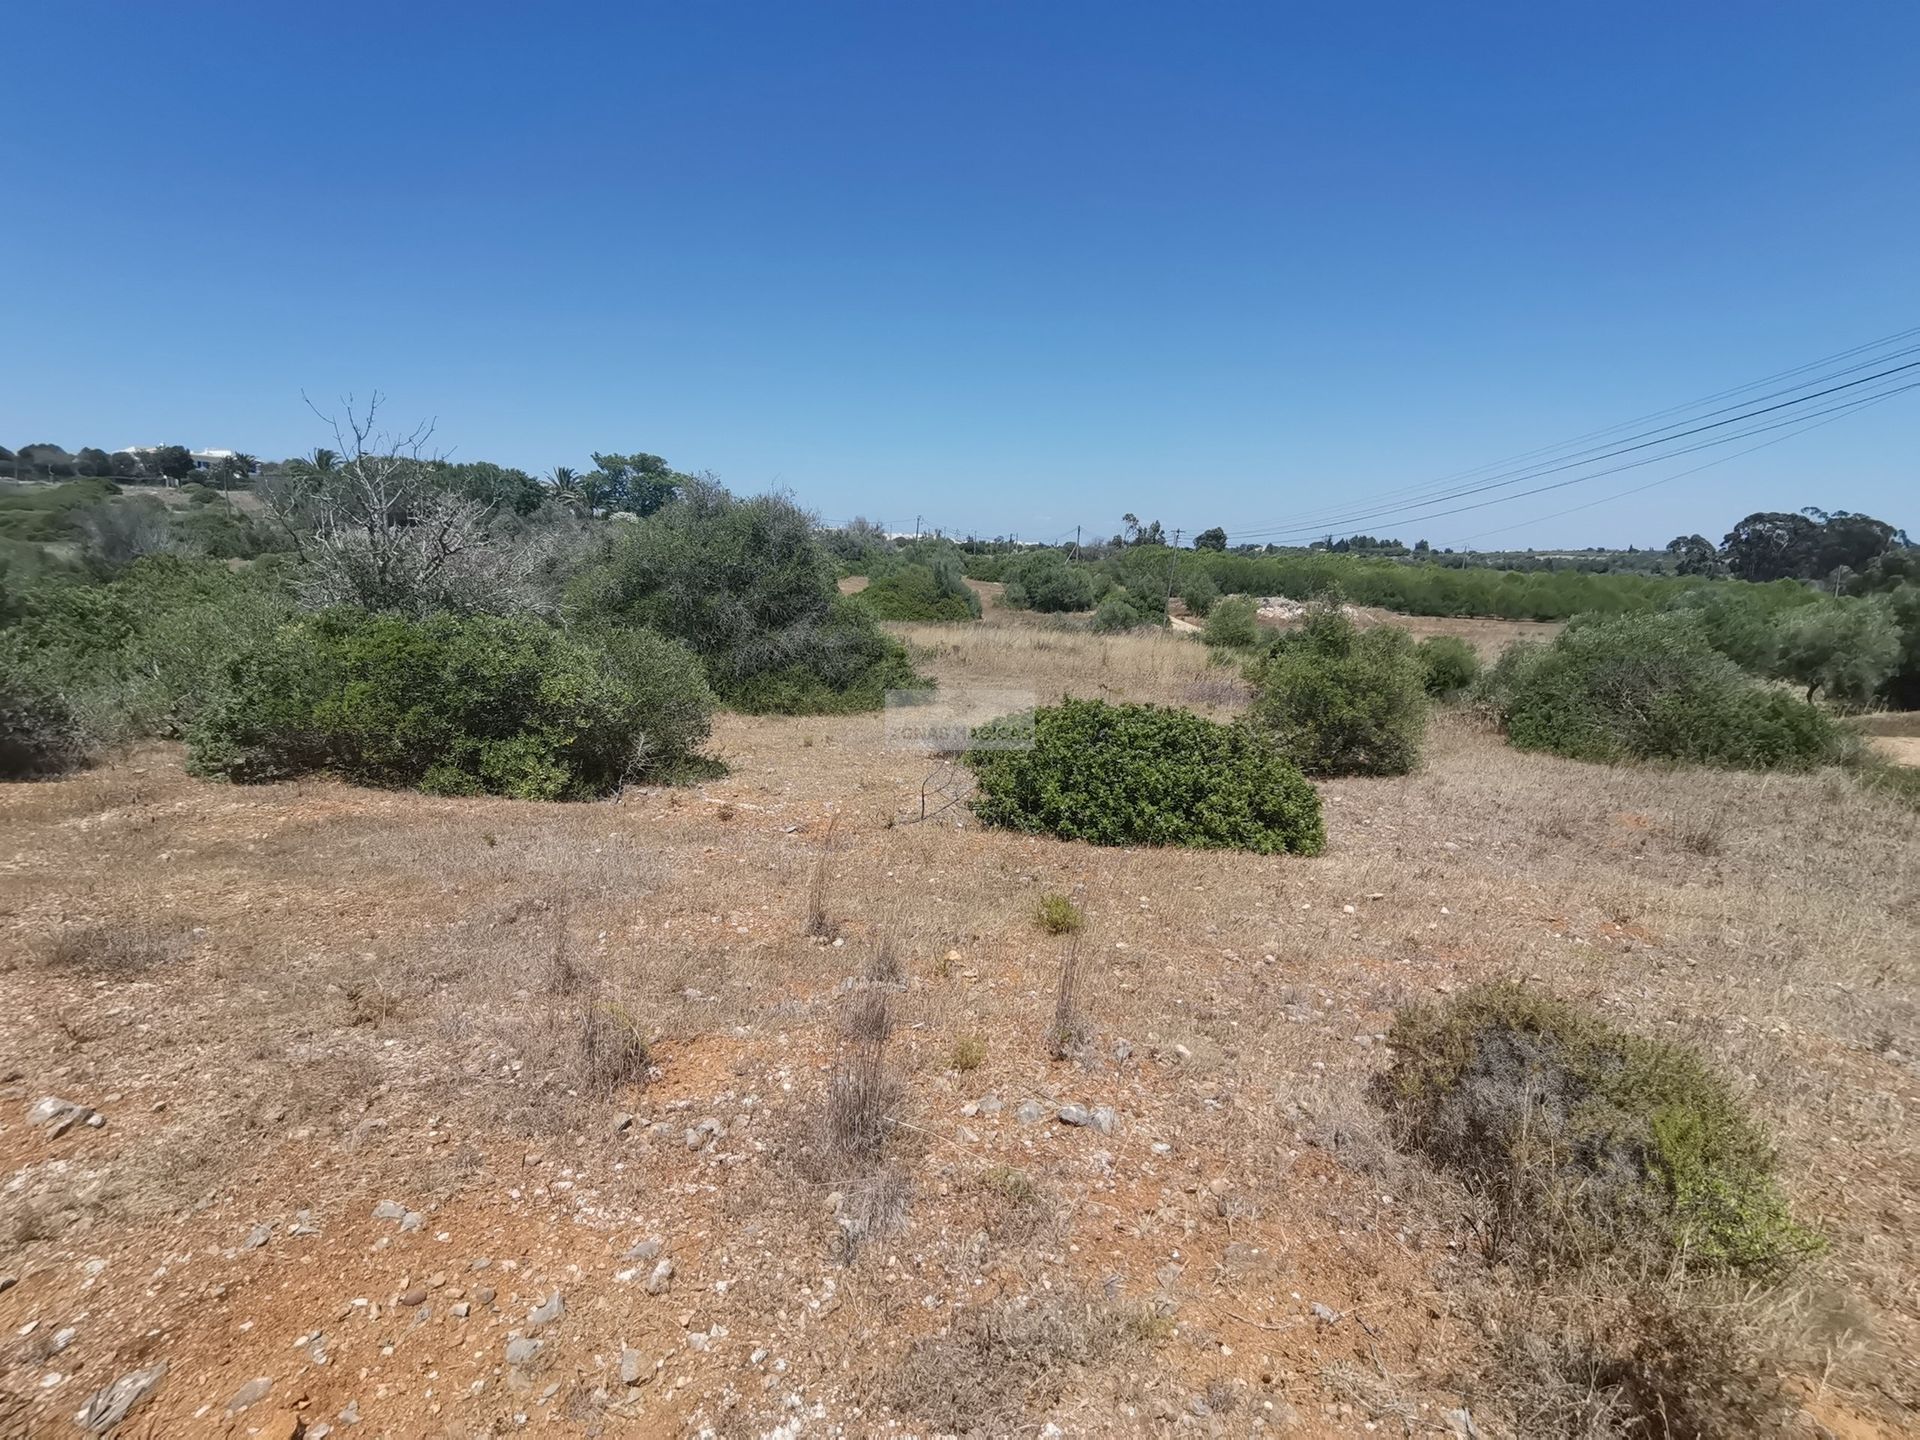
<point x="38" y="514"/>
<point x="452" y="705"/>
<point x="1451" y="664"/>
<point x="1044" y="580"/>
<point x="1651" y="687"/>
<point x="1144" y="775"/>
<point x="1198" y="590"/>
<point x="1586" y="1141"/>
<point x="1233" y="623"/>
<point x="40" y="735"/>
<point x="142" y="654"/>
<point x="921" y="592"/>
<point x="747" y="586"/>
<point x="1340" y="700"/>
<point x="1124" y="609"/>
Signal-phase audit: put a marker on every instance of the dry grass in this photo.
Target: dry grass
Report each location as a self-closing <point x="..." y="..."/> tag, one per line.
<point x="388" y="995"/>
<point x="1163" y="668"/>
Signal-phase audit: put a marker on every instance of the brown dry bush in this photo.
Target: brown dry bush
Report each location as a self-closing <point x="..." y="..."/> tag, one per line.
<point x="1067" y="1031"/>
<point x="820" y="922"/>
<point x="1000" y="1364"/>
<point x="113" y="950"/>
<point x="1626" y="1360"/>
<point x="861" y="1098"/>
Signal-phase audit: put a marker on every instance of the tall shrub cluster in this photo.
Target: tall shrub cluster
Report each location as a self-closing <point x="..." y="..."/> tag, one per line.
<point x="747" y="587"/>
<point x="1339" y="700"/>
<point x="1045" y="580"/>
<point x="454" y="705"/>
<point x="1651" y="687"/>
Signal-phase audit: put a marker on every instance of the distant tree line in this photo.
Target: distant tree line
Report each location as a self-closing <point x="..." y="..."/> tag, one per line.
<point x="1839" y="549"/>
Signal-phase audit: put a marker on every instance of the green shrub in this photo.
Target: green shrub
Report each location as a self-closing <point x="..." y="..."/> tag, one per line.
<point x="140" y="655"/>
<point x="1058" y="915"/>
<point x="921" y="592"/>
<point x="1233" y="623"/>
<point x="40" y="733"/>
<point x="1451" y="664"/>
<point x="1585" y="1141"/>
<point x="1044" y="580"/>
<point x="1650" y="687"/>
<point x="1340" y="700"/>
<point x="1144" y="775"/>
<point x="1844" y="649"/>
<point x="450" y="704"/>
<point x="746" y="586"/>
<point x="1197" y="590"/>
<point x="1124" y="609"/>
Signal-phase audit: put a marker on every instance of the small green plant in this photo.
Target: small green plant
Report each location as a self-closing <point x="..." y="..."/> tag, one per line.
<point x="1450" y="663"/>
<point x="1585" y="1141"/>
<point x="969" y="1052"/>
<point x="1143" y="775"/>
<point x="1058" y="915"/>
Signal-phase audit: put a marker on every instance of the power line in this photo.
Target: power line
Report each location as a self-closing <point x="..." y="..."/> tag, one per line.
<point x="1393" y="500"/>
<point x="1849" y="408"/>
<point x="1396" y="514"/>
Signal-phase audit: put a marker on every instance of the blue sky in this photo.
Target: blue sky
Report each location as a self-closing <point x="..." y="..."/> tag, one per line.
<point x="1010" y="267"/>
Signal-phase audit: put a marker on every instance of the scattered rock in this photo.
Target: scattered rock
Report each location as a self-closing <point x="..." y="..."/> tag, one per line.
<point x="109" y="1405"/>
<point x="1106" y="1119"/>
<point x="1325" y="1314"/>
<point x="56" y="1116"/>
<point x="484" y="1295"/>
<point x="417" y="1295"/>
<point x="389" y="1210"/>
<point x="622" y="1123"/>
<point x="7" y="1282"/>
<point x="258" y="1236"/>
<point x="645" y="1250"/>
<point x="1075" y="1115"/>
<point x="661" y="1278"/>
<point x="522" y="1352"/>
<point x="990" y="1104"/>
<point x="549" y="1311"/>
<point x="460" y="1309"/>
<point x="1461" y="1423"/>
<point x="251" y="1393"/>
<point x="633" y="1366"/>
<point x="349" y="1413"/>
<point x="1031" y="1112"/>
<point x="412" y="1220"/>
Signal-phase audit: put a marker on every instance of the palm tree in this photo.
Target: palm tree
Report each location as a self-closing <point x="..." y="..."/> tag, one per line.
<point x="564" y="482"/>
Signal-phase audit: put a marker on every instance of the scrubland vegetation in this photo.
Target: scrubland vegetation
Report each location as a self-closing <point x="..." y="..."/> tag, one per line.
<point x="1311" y="1025"/>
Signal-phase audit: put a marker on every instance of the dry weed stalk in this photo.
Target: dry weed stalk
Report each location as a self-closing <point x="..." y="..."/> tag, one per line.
<point x="820" y="924"/>
<point x="1066" y="1031"/>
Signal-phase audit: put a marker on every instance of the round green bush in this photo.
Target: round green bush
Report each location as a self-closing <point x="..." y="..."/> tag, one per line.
<point x="452" y="704"/>
<point x="1143" y="775"/>
<point x="1044" y="580"/>
<point x="1451" y="664"/>
<point x="1197" y="590"/>
<point x="1233" y="623"/>
<point x="920" y="592"/>
<point x="1585" y="1140"/>
<point x="1651" y="687"/>
<point x="1339" y="700"/>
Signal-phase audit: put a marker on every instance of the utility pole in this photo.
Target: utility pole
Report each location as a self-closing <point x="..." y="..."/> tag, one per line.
<point x="1172" y="561"/>
<point x="1076" y="542"/>
<point x="916" y="527"/>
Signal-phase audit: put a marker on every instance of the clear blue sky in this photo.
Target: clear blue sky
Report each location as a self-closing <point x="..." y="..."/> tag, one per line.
<point x="1010" y="266"/>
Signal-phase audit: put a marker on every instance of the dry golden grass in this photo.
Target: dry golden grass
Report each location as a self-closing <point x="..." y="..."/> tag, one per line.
<point x="387" y="995"/>
<point x="1064" y="658"/>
